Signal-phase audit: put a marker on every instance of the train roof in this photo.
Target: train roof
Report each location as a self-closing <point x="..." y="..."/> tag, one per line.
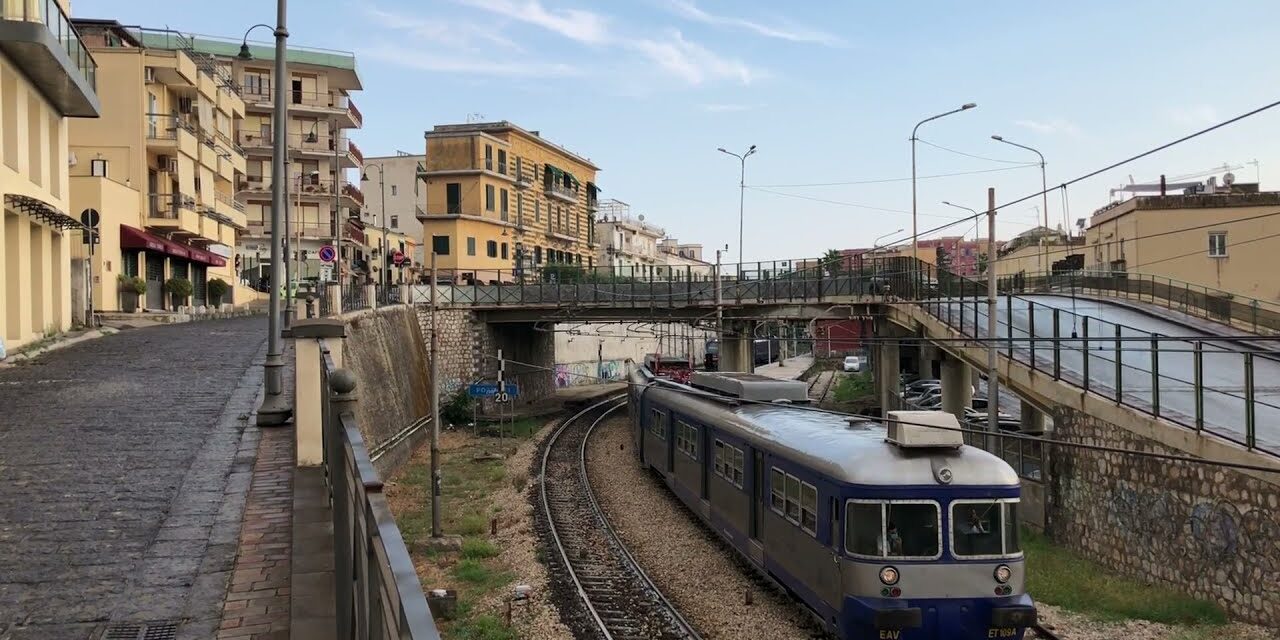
<point x="853" y="451"/>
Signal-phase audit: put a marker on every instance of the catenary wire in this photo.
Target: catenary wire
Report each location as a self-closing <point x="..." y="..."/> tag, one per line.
<point x="851" y="183"/>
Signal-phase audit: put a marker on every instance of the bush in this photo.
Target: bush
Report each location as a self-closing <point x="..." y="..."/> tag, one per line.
<point x="217" y="288"/>
<point x="457" y="410"/>
<point x="179" y="287"/>
<point x="131" y="284"/>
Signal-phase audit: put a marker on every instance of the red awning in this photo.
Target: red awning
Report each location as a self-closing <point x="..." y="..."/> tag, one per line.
<point x="131" y="238"/>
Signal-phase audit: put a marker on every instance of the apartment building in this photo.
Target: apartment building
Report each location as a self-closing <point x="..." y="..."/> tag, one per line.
<point x="47" y="76"/>
<point x="320" y="113"/>
<point x="682" y="261"/>
<point x="501" y="200"/>
<point x="1222" y="236"/>
<point x="158" y="170"/>
<point x="400" y="184"/>
<point x="629" y="246"/>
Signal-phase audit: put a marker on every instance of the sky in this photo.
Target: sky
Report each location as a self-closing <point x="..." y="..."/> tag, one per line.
<point x="828" y="91"/>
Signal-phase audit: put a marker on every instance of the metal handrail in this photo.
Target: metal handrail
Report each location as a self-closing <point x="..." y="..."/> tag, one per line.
<point x="378" y="594"/>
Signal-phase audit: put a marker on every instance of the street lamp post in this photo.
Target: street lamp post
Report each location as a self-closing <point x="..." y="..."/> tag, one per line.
<point x="275" y="408"/>
<point x="915" y="231"/>
<point x="383" y="271"/>
<point x="1044" y="187"/>
<point x="742" y="194"/>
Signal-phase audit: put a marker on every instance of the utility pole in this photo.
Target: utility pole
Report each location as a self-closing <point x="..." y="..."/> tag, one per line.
<point x="993" y="382"/>
<point x="435" y="409"/>
<point x="719" y="316"/>
<point x="275" y="408"/>
<point x="289" y="247"/>
<point x="338" y="220"/>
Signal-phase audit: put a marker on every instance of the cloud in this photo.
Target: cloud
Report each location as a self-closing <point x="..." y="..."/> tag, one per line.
<point x="728" y="107"/>
<point x="1194" y="115"/>
<point x="690" y="61"/>
<point x="575" y="24"/>
<point x="1050" y="127"/>
<point x="452" y="33"/>
<point x="448" y="63"/>
<point x="792" y="33"/>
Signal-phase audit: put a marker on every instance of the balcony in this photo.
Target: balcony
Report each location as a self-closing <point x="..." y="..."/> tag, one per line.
<point x="355" y="153"/>
<point x="349" y="117"/>
<point x="254" y="141"/>
<point x="353" y="192"/>
<point x="170" y="134"/>
<point x="228" y="207"/>
<point x="174" y="213"/>
<point x="524" y="179"/>
<point x="561" y="192"/>
<point x="40" y="41"/>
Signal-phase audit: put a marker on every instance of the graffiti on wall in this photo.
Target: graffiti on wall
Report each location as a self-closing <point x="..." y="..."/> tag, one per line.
<point x="572" y="374"/>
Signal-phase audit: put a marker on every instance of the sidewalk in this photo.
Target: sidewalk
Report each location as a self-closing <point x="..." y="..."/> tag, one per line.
<point x="791" y="369"/>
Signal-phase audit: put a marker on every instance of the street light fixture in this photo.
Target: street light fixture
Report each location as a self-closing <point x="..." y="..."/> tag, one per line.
<point x="974" y="212"/>
<point x="915" y="244"/>
<point x="1044" y="187"/>
<point x="383" y="271"/>
<point x="742" y="193"/>
<point x="245" y="54"/>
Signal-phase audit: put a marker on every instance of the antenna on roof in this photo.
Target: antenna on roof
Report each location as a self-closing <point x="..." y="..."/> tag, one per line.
<point x="473" y="118"/>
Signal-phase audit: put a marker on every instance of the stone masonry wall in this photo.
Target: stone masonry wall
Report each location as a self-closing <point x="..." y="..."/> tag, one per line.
<point x="1210" y="532"/>
<point x="386" y="352"/>
<point x="457" y="345"/>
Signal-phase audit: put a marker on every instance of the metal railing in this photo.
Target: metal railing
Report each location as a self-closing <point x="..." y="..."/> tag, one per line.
<point x="355" y="152"/>
<point x="166" y="205"/>
<point x="1257" y="316"/>
<point x="50" y="14"/>
<point x="355" y="298"/>
<point x="377" y="590"/>
<point x="228" y="199"/>
<point x="1208" y="383"/>
<point x="165" y="126"/>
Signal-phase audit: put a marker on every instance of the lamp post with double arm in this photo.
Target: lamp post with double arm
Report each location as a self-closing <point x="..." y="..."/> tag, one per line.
<point x="742" y="194"/>
<point x="1044" y="187"/>
<point x="915" y="230"/>
<point x="383" y="271"/>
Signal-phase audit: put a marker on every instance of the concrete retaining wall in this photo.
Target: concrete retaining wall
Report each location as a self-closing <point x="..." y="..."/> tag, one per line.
<point x="384" y="348"/>
<point x="597" y="352"/>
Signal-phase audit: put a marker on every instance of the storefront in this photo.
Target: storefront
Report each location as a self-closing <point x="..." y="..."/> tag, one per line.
<point x="157" y="259"/>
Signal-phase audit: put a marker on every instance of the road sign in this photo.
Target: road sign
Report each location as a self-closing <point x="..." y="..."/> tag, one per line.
<point x="328" y="253"/>
<point x="326" y="273"/>
<point x="489" y="389"/>
<point x="397" y="257"/>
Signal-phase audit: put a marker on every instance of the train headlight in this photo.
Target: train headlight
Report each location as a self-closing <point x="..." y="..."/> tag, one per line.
<point x="1003" y="573"/>
<point x="889" y="575"/>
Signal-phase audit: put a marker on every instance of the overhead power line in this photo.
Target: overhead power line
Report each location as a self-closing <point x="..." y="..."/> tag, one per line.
<point x="971" y="155"/>
<point x="1024" y="165"/>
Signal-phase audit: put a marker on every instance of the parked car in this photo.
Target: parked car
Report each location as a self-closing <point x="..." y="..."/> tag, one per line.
<point x="852" y="364"/>
<point x="919" y="386"/>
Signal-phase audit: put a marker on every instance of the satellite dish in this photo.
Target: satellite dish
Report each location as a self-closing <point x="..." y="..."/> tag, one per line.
<point x="642" y="217"/>
<point x="1229" y="179"/>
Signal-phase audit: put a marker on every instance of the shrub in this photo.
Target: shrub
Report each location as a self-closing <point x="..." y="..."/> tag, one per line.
<point x="180" y="287"/>
<point x="477" y="548"/>
<point x="131" y="284"/>
<point x="217" y="288"/>
<point x="457" y="410"/>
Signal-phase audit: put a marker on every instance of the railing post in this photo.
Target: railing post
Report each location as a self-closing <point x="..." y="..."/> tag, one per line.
<point x="1008" y="322"/>
<point x="1155" y="376"/>
<point x="1084" y="350"/>
<point x="1250" y="432"/>
<point x="342" y="400"/>
<point x="1198" y="378"/>
<point x="1057" y="345"/>
<point x="1031" y="332"/>
<point x="1119" y="352"/>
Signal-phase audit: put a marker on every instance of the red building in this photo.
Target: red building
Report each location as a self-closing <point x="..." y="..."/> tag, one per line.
<point x="835" y="338"/>
<point x="959" y="253"/>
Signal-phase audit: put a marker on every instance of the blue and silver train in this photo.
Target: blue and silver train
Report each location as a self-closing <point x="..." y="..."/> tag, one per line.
<point x="895" y="532"/>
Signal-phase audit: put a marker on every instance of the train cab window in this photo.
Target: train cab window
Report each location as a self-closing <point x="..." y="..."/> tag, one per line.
<point x="984" y="528"/>
<point x="777" y="488"/>
<point x="893" y="529"/>
<point x="658" y="425"/>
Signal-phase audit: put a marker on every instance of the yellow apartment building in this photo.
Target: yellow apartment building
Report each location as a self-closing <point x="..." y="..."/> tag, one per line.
<point x="158" y="170"/>
<point x="1225" y="239"/>
<point x="1033" y="252"/>
<point x="320" y="113"/>
<point x="500" y="197"/>
<point x="46" y="77"/>
<point x="397" y="241"/>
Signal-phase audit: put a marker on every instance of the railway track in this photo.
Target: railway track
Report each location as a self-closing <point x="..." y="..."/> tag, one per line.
<point x="1043" y="633"/>
<point x="621" y="602"/>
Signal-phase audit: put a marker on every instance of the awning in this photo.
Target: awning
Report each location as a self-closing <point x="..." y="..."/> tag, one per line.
<point x="131" y="238"/>
<point x="41" y="210"/>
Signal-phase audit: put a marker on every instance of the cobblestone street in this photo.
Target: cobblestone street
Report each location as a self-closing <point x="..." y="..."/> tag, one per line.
<point x="124" y="467"/>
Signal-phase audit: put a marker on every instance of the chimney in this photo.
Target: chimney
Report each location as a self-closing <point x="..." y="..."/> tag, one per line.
<point x="1162" y="185"/>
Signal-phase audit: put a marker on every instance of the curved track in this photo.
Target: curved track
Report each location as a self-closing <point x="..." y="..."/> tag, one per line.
<point x="622" y="602"/>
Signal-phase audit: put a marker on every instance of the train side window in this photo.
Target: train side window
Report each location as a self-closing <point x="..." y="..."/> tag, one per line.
<point x="809" y="508"/>
<point x="719" y="456"/>
<point x="738" y="459"/>
<point x="777" y="488"/>
<point x="687" y="439"/>
<point x="864" y="528"/>
<point x="656" y="426"/>
<point x="793" y="498"/>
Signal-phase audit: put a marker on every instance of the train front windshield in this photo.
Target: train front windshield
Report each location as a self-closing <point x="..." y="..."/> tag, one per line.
<point x="984" y="528"/>
<point x="880" y="529"/>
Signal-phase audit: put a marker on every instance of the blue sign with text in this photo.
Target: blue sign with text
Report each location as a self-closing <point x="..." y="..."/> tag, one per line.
<point x="491" y="390"/>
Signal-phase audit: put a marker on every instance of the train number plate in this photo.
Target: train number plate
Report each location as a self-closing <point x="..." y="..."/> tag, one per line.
<point x="1002" y="632"/>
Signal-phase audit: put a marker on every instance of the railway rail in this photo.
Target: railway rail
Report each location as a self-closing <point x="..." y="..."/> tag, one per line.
<point x="621" y="601"/>
<point x="1043" y="633"/>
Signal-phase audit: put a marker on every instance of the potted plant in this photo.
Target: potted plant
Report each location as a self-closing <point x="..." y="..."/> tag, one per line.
<point x="179" y="290"/>
<point x="217" y="288"/>
<point x="131" y="289"/>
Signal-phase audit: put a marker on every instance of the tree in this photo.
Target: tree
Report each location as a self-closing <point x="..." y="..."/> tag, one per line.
<point x="831" y="262"/>
<point x="982" y="262"/>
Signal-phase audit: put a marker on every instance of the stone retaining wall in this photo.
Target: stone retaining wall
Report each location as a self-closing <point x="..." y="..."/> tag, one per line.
<point x="385" y="349"/>
<point x="1210" y="532"/>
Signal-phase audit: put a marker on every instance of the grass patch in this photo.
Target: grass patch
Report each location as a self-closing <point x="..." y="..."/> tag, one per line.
<point x="1060" y="577"/>
<point x="480" y="574"/>
<point x="853" y="387"/>
<point x="483" y="627"/>
<point x="478" y="548"/>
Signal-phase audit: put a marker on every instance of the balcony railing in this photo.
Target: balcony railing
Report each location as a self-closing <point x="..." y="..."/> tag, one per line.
<point x="353" y="192"/>
<point x="163" y="205"/>
<point x="556" y="189"/>
<point x="355" y="113"/>
<point x="164" y="126"/>
<point x="355" y="151"/>
<point x="228" y="199"/>
<point x="50" y="14"/>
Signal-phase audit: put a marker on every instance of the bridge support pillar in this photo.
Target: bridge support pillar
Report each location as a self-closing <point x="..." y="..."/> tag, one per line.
<point x="736" y="352"/>
<point x="957" y="386"/>
<point x="927" y="365"/>
<point x="1031" y="420"/>
<point x="888" y="367"/>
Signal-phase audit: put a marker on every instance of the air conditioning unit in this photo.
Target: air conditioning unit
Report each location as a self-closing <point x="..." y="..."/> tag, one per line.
<point x="167" y="163"/>
<point x="149" y="75"/>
